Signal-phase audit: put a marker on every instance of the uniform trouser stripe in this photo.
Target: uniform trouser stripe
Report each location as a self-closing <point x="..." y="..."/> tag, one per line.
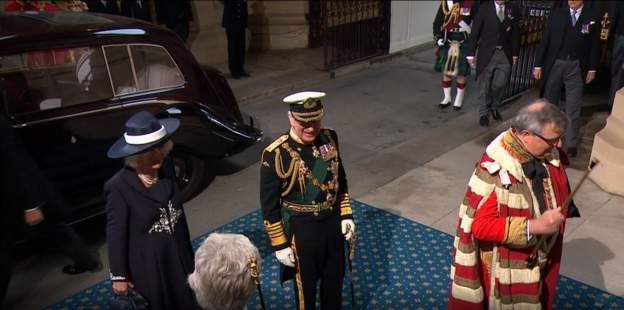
<point x="298" y="281"/>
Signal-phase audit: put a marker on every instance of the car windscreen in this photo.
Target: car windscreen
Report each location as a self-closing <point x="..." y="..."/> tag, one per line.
<point x="53" y="78"/>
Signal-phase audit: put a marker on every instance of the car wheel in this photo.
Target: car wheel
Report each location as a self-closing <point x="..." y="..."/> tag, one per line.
<point x="190" y="173"/>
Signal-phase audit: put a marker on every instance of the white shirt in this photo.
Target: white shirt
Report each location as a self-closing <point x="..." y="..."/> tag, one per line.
<point x="499" y="7"/>
<point x="578" y="12"/>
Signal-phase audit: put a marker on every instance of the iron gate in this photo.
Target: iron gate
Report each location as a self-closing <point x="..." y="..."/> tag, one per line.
<point x="354" y="30"/>
<point x="534" y="15"/>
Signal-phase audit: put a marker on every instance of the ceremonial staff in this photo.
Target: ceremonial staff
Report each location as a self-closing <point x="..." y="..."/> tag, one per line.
<point x="255" y="275"/>
<point x="532" y="259"/>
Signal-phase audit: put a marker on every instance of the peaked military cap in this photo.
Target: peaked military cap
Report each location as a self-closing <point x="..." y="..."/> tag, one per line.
<point x="306" y="106"/>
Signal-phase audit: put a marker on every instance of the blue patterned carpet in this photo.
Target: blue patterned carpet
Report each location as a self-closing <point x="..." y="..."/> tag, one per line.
<point x="399" y="264"/>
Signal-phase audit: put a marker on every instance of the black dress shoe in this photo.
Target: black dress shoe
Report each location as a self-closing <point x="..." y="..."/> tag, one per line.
<point x="236" y="76"/>
<point x="456" y="108"/>
<point x="245" y="74"/>
<point x="444" y="106"/>
<point x="484" y="121"/>
<point x="572" y="151"/>
<point x="496" y="115"/>
<point x="75" y="269"/>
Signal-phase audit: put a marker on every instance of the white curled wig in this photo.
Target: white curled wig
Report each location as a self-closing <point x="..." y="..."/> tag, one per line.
<point x="222" y="277"/>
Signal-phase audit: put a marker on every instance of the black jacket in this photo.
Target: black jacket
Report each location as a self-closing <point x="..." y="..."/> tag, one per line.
<point x="170" y="12"/>
<point x="109" y="7"/>
<point x="487" y="31"/>
<point x="148" y="238"/>
<point x="583" y="40"/>
<point x="234" y="14"/>
<point x="133" y="9"/>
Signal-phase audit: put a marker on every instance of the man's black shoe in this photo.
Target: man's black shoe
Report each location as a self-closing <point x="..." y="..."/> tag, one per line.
<point x="236" y="76"/>
<point x="75" y="269"/>
<point x="484" y="121"/>
<point x="496" y="115"/>
<point x="245" y="74"/>
<point x="572" y="151"/>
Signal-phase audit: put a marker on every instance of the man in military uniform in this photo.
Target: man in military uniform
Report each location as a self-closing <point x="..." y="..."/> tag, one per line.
<point x="305" y="203"/>
<point x="451" y="29"/>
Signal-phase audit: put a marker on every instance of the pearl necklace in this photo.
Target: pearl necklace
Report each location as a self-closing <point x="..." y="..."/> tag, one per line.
<point x="148" y="180"/>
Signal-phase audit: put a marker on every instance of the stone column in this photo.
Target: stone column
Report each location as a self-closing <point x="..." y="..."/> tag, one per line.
<point x="278" y="25"/>
<point x="609" y="150"/>
<point x="207" y="40"/>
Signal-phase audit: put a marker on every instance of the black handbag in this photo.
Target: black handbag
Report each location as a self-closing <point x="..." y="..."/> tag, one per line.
<point x="133" y="300"/>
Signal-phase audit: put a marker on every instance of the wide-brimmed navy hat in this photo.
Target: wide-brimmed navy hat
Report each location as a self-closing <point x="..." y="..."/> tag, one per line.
<point x="143" y="131"/>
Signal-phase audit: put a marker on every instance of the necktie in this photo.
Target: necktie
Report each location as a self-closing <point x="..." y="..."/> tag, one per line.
<point x="501" y="15"/>
<point x="573" y="18"/>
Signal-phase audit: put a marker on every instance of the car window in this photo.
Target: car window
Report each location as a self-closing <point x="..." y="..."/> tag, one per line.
<point x="53" y="78"/>
<point x="150" y="67"/>
<point x="120" y="68"/>
<point x="154" y="67"/>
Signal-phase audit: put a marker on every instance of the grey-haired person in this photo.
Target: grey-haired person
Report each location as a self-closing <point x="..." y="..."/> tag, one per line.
<point x="226" y="266"/>
<point x="149" y="245"/>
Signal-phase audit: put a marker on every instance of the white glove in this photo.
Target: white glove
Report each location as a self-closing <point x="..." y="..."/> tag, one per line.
<point x="348" y="229"/>
<point x="286" y="257"/>
<point x="440" y="42"/>
<point x="464" y="27"/>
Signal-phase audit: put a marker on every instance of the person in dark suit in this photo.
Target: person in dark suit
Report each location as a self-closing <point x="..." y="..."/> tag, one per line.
<point x="26" y="197"/>
<point x="616" y="13"/>
<point x="148" y="239"/>
<point x="138" y="9"/>
<point x="235" y="24"/>
<point x="495" y="34"/>
<point x="175" y="15"/>
<point x="103" y="6"/>
<point x="569" y="54"/>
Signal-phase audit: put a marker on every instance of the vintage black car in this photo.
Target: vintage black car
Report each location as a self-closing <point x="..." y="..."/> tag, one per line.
<point x="69" y="81"/>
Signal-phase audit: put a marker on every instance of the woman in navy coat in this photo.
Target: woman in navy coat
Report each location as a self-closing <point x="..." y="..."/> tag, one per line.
<point x="148" y="238"/>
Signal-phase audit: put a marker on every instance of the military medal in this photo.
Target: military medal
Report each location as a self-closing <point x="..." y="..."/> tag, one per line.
<point x="327" y="151"/>
<point x="315" y="152"/>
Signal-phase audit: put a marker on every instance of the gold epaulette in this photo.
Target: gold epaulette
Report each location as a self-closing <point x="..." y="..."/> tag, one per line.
<point x="276" y="143"/>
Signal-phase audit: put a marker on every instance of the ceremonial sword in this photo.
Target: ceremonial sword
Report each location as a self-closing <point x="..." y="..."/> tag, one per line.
<point x="351" y="250"/>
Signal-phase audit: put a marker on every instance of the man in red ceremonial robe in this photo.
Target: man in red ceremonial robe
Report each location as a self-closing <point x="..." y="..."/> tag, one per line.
<point x="514" y="199"/>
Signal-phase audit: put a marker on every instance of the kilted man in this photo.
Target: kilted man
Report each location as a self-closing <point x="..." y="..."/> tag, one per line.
<point x="496" y="35"/>
<point x="451" y="30"/>
<point x="305" y="203"/>
<point x="568" y="55"/>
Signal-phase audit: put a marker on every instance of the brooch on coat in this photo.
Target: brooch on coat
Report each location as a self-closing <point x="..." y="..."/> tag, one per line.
<point x="167" y="220"/>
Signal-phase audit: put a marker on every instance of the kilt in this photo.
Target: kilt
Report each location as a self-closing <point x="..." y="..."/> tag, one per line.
<point x="463" y="68"/>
